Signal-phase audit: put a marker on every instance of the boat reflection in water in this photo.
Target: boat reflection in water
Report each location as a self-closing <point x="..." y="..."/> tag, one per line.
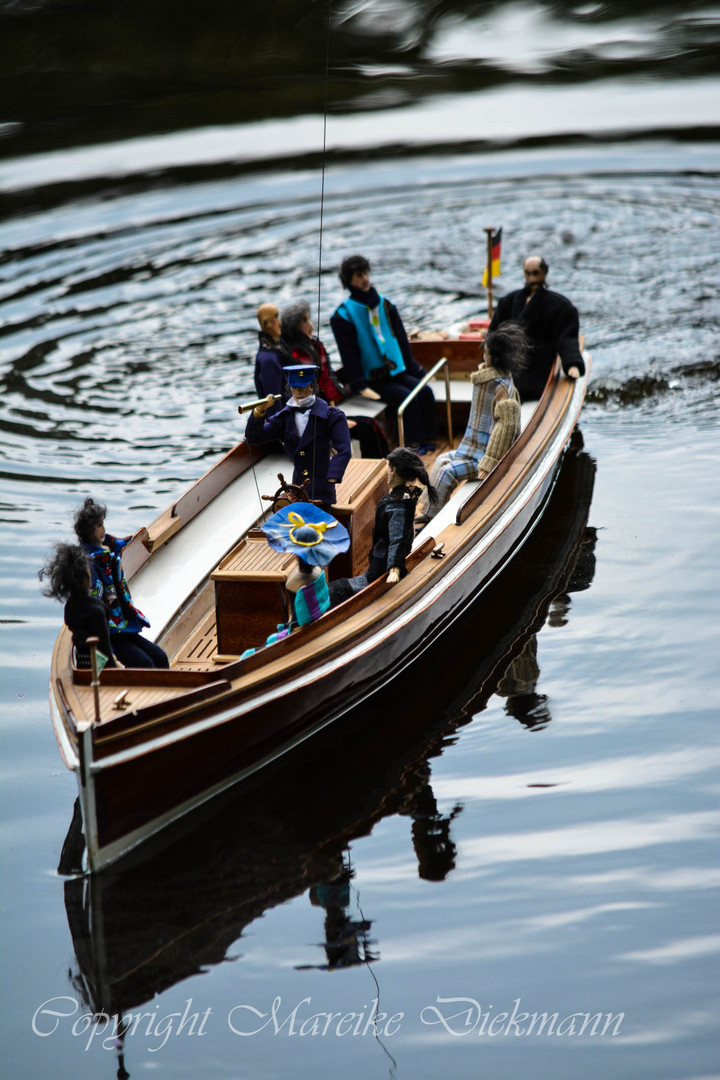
<point x="347" y="942"/>
<point x="519" y="683"/>
<point x="177" y="906"/>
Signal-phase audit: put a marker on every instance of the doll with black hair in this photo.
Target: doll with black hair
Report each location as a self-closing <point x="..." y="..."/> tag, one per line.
<point x="394" y="528"/>
<point x="70" y="579"/>
<point x="126" y="622"/>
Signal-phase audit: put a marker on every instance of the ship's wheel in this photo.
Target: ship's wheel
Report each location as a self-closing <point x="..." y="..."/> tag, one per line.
<point x="289" y="493"/>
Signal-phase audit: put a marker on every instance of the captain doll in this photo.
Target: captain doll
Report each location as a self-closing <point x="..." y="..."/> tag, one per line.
<point x="314" y="434"/>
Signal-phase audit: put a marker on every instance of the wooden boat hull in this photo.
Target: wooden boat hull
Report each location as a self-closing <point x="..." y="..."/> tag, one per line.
<point x="139" y="770"/>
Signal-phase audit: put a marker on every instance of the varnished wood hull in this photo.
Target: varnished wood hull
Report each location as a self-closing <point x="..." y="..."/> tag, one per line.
<point x="142" y="768"/>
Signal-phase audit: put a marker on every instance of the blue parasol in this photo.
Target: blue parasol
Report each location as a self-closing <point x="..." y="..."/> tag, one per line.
<point x="307" y="531"/>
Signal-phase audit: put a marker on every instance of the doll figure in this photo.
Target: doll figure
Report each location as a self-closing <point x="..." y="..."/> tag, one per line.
<point x="309" y="430"/>
<point x="70" y="579"/>
<point x="104" y="553"/>
<point x="394" y="529"/>
<point x="494" y="422"/>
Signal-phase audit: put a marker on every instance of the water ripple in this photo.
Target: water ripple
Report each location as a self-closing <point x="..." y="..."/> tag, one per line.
<point x="114" y="335"/>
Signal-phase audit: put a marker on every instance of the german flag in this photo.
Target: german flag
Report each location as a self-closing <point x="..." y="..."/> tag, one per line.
<point x="493" y="270"/>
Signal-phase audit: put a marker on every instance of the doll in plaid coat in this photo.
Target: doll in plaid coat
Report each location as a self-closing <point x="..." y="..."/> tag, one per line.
<point x="494" y="422"/>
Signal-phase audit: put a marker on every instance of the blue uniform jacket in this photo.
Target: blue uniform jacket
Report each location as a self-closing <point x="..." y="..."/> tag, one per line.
<point x="326" y="429"/>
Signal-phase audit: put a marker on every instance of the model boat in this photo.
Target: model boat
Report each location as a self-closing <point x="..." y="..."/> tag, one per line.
<point x="149" y="745"/>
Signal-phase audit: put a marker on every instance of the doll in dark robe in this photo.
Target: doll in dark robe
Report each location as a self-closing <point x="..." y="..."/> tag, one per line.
<point x="394" y="530"/>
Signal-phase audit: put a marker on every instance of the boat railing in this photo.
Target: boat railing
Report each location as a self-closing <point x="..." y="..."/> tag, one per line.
<point x="442" y="362"/>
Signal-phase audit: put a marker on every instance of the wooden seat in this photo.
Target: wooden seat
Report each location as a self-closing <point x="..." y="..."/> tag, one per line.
<point x="357" y="405"/>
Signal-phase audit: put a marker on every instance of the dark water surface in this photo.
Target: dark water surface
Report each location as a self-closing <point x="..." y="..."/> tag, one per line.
<point x="529" y="822"/>
<point x="76" y="72"/>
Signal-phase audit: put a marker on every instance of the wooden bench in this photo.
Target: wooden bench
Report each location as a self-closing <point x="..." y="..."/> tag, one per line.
<point x="199" y="653"/>
<point x="357" y="405"/>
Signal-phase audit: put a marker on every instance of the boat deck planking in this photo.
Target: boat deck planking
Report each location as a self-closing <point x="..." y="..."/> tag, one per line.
<point x="201" y="648"/>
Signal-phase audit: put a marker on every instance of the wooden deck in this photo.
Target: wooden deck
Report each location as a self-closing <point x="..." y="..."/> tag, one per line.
<point x="198" y="652"/>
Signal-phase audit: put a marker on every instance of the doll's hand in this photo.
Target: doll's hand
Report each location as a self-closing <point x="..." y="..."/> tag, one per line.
<point x="574" y="372"/>
<point x="393" y="576"/>
<point x="370" y="394"/>
<point x="260" y="410"/>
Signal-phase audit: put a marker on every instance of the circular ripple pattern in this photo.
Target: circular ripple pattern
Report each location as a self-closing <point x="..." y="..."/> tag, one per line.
<point x="127" y="323"/>
<point x="584" y="849"/>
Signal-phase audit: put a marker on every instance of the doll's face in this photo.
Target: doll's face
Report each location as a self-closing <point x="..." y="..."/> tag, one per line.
<point x="360" y="280"/>
<point x="301" y="392"/>
<point x="534" y="273"/>
<point x="99" y="533"/>
<point x="269" y="319"/>
<point x="393" y="477"/>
